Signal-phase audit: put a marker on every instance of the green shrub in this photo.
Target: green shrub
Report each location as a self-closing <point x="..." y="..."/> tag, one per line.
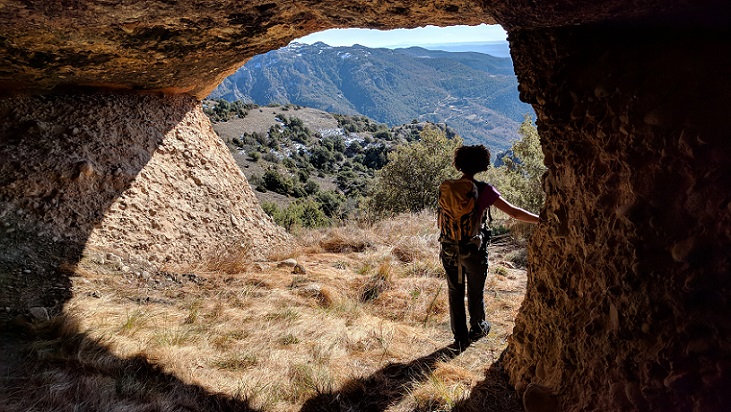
<point x="274" y="181"/>
<point x="299" y="191"/>
<point x="311" y="187"/>
<point x="322" y="158"/>
<point x="220" y="110"/>
<point x="303" y="175"/>
<point x="383" y="135"/>
<point x="300" y="213"/>
<point x="331" y="203"/>
<point x="375" y="156"/>
<point x="352" y="183"/>
<point x="256" y="180"/>
<point x="519" y="179"/>
<point x="353" y="148"/>
<point x="409" y="182"/>
<point x="270" y="208"/>
<point x="289" y="163"/>
<point x="271" y="157"/>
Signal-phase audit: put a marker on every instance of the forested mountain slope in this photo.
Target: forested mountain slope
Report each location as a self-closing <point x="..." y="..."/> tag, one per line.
<point x="474" y="93"/>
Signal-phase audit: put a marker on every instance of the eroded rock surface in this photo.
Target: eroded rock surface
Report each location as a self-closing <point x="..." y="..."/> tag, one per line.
<point x="179" y="46"/>
<point x="142" y="176"/>
<point x="626" y="305"/>
<point x="189" y="46"/>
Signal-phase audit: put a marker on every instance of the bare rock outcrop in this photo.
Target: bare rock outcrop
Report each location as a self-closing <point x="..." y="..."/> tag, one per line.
<point x="626" y="304"/>
<point x="142" y="176"/>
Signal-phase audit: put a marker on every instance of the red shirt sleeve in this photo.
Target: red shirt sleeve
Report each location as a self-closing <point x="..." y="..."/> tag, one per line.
<point x="488" y="195"/>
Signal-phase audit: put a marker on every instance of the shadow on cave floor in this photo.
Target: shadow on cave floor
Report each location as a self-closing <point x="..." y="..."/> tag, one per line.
<point x="53" y="366"/>
<point x="46" y="361"/>
<point x="493" y="394"/>
<point x="387" y="386"/>
<point x="60" y="368"/>
<point x="380" y="390"/>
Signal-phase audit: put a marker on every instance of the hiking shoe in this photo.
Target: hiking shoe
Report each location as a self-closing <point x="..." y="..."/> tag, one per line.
<point x="479" y="333"/>
<point x="458" y="346"/>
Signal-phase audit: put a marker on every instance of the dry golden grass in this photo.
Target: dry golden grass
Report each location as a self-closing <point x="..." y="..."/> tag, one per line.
<point x="338" y="240"/>
<point x="364" y="328"/>
<point x="233" y="258"/>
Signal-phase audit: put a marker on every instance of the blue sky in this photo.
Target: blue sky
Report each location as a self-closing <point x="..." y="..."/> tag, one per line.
<point x="407" y="37"/>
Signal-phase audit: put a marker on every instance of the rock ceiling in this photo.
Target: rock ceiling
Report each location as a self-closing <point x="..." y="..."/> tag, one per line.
<point x="189" y="46"/>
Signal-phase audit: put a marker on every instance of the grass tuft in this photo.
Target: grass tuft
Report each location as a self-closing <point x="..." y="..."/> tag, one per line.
<point x="377" y="283"/>
<point x="236" y="362"/>
<point x="307" y="380"/>
<point x="289" y="339"/>
<point x="235" y="259"/>
<point x="287" y="315"/>
<point x="345" y="240"/>
<point x="518" y="257"/>
<point x="424" y="268"/>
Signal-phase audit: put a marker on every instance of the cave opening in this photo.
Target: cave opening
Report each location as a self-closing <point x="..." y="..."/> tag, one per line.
<point x="291" y="112"/>
<point x="625" y="306"/>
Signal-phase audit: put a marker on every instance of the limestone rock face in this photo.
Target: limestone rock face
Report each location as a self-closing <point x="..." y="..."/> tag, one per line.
<point x="627" y="299"/>
<point x="142" y="176"/>
<point x="180" y="46"/>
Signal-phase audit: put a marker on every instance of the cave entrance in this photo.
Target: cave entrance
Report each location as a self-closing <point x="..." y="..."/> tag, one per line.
<point x="287" y="117"/>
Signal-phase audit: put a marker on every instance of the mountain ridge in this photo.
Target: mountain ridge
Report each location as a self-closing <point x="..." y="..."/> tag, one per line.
<point x="474" y="93"/>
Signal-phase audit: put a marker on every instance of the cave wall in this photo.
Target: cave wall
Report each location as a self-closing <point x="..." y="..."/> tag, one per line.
<point x="181" y="46"/>
<point x="189" y="46"/>
<point x="628" y="293"/>
<point x="143" y="177"/>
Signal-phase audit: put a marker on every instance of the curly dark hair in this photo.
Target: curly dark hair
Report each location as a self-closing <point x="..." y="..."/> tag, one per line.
<point x="472" y="159"/>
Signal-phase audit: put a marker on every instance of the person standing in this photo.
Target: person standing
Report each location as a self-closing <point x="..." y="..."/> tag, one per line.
<point x="466" y="259"/>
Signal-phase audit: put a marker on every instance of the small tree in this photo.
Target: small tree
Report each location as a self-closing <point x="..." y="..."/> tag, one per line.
<point x="519" y="179"/>
<point x="409" y="182"/>
<point x="300" y="213"/>
<point x="274" y="181"/>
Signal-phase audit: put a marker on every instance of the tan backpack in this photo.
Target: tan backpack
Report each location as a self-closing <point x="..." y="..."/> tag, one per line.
<point x="457" y="214"/>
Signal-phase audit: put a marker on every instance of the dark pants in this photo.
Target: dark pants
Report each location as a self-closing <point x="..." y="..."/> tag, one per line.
<point x="474" y="273"/>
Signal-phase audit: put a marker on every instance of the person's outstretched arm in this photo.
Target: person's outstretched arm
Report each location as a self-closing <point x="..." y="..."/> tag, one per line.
<point x="515" y="212"/>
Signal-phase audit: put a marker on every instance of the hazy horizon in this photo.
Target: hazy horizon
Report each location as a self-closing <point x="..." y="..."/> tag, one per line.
<point x="401" y="38"/>
<point x="497" y="48"/>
